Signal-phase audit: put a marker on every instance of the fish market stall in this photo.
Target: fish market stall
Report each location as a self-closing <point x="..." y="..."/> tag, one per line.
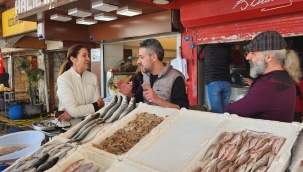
<point x="152" y="138"/>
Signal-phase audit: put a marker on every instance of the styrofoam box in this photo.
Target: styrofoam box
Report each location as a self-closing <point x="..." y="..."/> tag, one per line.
<point x="237" y="124"/>
<point x="82" y="153"/>
<point x="159" y="111"/>
<point x="171" y="147"/>
<point x="54" y="141"/>
<point x="125" y="166"/>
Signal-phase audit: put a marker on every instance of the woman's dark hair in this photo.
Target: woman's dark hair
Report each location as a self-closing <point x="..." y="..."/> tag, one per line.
<point x="73" y="51"/>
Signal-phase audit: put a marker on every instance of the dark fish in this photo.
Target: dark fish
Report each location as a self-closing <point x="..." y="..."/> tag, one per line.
<point x="131" y="107"/>
<point x="39" y="161"/>
<point x="95" y="116"/>
<point x="106" y="108"/>
<point x="111" y="111"/>
<point x="118" y="112"/>
<point x="48" y="164"/>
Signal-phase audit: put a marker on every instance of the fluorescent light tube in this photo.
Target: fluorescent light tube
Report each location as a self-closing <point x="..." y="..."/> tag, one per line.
<point x="59" y="17"/>
<point x="104" y="7"/>
<point x="85" y="21"/>
<point x="126" y="11"/>
<point x="105" y="17"/>
<point x="79" y="13"/>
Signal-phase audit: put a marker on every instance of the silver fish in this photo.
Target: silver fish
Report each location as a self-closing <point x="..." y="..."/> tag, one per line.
<point x="85" y="132"/>
<point x="84" y="167"/>
<point x="131" y="107"/>
<point x="111" y="111"/>
<point x="85" y="127"/>
<point x="209" y="152"/>
<point x="87" y="120"/>
<point x="222" y="164"/>
<point x="216" y="151"/>
<point x="106" y="108"/>
<point x="280" y="144"/>
<point x="118" y="112"/>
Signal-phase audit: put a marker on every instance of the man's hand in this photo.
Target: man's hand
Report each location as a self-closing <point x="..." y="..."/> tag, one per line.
<point x="247" y="81"/>
<point x="65" y="116"/>
<point x="123" y="87"/>
<point x="149" y="94"/>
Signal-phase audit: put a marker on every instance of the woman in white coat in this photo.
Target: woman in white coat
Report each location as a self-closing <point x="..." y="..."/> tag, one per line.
<point x="78" y="89"/>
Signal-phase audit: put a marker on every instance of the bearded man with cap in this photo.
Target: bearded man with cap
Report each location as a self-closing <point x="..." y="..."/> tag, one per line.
<point x="273" y="95"/>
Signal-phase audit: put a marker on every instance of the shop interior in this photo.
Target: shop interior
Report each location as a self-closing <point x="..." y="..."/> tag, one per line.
<point x="238" y="88"/>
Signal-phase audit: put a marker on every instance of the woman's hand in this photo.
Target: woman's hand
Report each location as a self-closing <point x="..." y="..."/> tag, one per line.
<point x="100" y="102"/>
<point x="247" y="81"/>
<point x="65" y="116"/>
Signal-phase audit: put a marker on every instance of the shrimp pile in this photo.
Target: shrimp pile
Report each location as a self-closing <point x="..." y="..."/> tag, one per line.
<point x="125" y="138"/>
<point x="245" y="151"/>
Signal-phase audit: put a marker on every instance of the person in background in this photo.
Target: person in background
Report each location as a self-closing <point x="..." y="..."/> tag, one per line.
<point x="162" y="84"/>
<point x="4" y="78"/>
<point x="217" y="59"/>
<point x="273" y="94"/>
<point x="136" y="81"/>
<point x="78" y="89"/>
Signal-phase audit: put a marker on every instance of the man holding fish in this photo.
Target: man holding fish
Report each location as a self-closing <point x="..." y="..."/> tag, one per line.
<point x="273" y="94"/>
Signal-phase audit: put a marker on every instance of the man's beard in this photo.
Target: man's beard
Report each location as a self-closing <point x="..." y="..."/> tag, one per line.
<point x="258" y="67"/>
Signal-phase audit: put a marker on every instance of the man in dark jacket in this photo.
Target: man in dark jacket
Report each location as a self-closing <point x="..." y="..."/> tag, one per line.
<point x="273" y="94"/>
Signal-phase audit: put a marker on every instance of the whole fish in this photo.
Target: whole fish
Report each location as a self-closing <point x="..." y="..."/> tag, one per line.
<point x="260" y="143"/>
<point x="253" y="142"/>
<point x="74" y="166"/>
<point x="131" y="107"/>
<point x="226" y="137"/>
<point x="216" y="151"/>
<point x="232" y="154"/>
<point x="86" y="126"/>
<point x="49" y="164"/>
<point x="226" y="168"/>
<point x="84" y="167"/>
<point x="117" y="113"/>
<point x="261" y="162"/>
<point x="209" y="152"/>
<point x="111" y="111"/>
<point x="222" y="150"/>
<point x="222" y="164"/>
<point x="39" y="161"/>
<point x="227" y="150"/>
<point x="106" y="108"/>
<point x="235" y="139"/>
<point x="242" y="159"/>
<point x="210" y="163"/>
<point x="199" y="169"/>
<point x="261" y="169"/>
<point x="85" y="132"/>
<point x="87" y="120"/>
<point x="243" y="149"/>
<point x="250" y="165"/>
<point x="24" y="165"/>
<point x="93" y="169"/>
<point x="279" y="145"/>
